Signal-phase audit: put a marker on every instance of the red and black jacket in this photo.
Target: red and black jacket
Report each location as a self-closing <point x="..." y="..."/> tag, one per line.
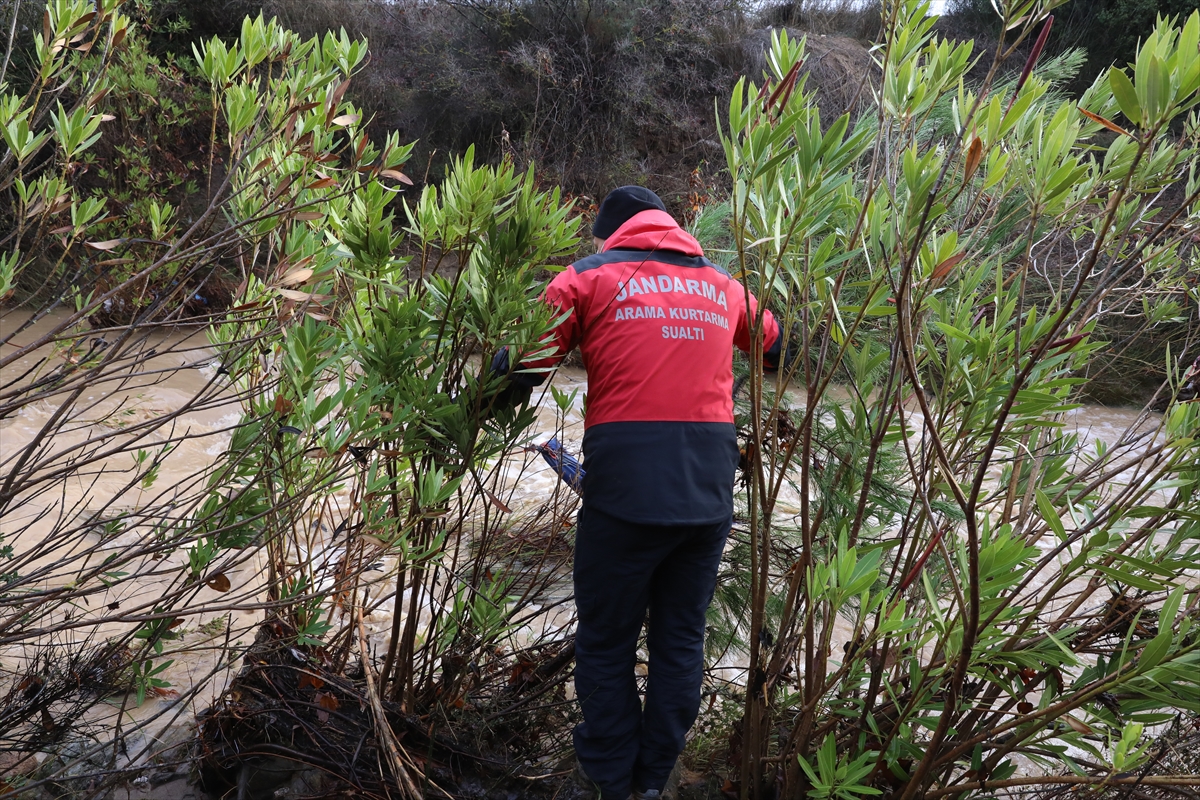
<point x="656" y="323"/>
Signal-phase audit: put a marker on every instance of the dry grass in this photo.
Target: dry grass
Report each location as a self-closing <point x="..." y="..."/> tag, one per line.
<point x="839" y="69"/>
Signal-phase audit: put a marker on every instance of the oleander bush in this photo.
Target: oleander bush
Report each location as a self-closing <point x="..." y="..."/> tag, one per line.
<point x="358" y="466"/>
<point x="934" y="586"/>
<point x="949" y="593"/>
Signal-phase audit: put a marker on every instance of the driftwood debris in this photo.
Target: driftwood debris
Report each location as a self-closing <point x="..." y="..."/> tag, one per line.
<point x="288" y="719"/>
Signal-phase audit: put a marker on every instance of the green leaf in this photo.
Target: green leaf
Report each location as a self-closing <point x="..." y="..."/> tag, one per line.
<point x="1170" y="607"/>
<point x="1158" y="91"/>
<point x="1122" y="89"/>
<point x="1130" y="579"/>
<point x="954" y="333"/>
<point x="1160" y="570"/>
<point x="1050" y="514"/>
<point x="1155" y="651"/>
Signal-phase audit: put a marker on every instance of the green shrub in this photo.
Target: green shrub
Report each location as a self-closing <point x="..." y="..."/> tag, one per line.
<point x="933" y="558"/>
<point x="349" y="364"/>
<point x="1108" y="30"/>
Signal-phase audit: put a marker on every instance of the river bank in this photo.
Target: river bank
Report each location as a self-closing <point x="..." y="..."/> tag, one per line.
<point x="180" y="381"/>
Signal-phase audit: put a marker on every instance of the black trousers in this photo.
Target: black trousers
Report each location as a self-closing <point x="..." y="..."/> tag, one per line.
<point x="622" y="571"/>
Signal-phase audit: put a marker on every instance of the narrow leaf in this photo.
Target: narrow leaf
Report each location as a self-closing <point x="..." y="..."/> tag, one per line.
<point x="296" y="276"/>
<point x="1112" y="126"/>
<point x="1038" y="46"/>
<point x="1050" y="514"/>
<point x="497" y="502"/>
<point x="396" y="175"/>
<point x="974" y="156"/>
<point x="338" y="93"/>
<point x="1067" y="343"/>
<point x="946" y="267"/>
<point x="1076" y="725"/>
<point x="1155" y="651"/>
<point x="1126" y="95"/>
<point x="111" y="244"/>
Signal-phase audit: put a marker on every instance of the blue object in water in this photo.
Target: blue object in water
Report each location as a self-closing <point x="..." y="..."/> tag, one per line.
<point x="562" y="462"/>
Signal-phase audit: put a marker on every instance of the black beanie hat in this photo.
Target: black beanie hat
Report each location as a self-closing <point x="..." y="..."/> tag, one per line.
<point x="620" y="206"/>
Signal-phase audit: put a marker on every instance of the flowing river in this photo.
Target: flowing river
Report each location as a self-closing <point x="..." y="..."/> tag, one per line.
<point x="178" y="378"/>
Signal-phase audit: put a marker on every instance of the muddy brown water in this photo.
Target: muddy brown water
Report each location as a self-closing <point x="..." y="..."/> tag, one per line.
<point x="177" y="374"/>
<point x="182" y="369"/>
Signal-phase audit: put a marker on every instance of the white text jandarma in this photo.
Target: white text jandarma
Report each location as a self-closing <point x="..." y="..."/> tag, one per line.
<point x="663" y="284"/>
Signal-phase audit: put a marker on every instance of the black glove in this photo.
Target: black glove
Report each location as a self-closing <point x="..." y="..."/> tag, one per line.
<point x="516" y="388"/>
<point x="777" y="357"/>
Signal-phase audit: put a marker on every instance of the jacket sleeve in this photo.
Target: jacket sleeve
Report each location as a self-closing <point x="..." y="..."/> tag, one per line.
<point x="772" y="334"/>
<point x="563" y="295"/>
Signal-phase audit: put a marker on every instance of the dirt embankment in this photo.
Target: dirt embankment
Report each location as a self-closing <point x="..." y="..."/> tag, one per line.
<point x="839" y="69"/>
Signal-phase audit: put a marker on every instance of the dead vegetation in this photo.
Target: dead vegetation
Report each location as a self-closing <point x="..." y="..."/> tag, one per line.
<point x="290" y="717"/>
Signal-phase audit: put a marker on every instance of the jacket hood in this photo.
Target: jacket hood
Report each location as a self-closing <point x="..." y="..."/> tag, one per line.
<point x="653" y="230"/>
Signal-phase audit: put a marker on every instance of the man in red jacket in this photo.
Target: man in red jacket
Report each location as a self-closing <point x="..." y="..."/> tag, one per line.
<point x="656" y="322"/>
